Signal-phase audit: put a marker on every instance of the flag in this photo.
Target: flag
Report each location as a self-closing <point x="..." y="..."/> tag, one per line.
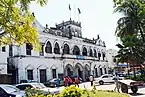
<point x="79" y="11"/>
<point x="69" y="7"/>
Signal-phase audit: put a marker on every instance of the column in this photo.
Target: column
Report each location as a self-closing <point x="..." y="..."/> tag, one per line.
<point x="35" y="75"/>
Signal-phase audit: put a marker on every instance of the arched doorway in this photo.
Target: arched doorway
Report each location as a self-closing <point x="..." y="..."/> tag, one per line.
<point x="87" y="71"/>
<point x="68" y="71"/>
<point x="79" y="70"/>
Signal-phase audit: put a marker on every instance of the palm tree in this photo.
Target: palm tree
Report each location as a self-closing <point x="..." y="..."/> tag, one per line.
<point x="132" y="22"/>
<point x="123" y="55"/>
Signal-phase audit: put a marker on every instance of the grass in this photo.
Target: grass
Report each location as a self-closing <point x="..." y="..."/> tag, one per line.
<point x="106" y="94"/>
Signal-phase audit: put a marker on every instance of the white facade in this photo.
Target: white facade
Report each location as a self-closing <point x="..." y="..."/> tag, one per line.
<point x="110" y="55"/>
<point x="65" y="52"/>
<point x="3" y="59"/>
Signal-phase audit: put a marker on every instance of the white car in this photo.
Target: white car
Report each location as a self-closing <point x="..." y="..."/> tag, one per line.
<point x="107" y="78"/>
<point x="39" y="86"/>
<point x="10" y="91"/>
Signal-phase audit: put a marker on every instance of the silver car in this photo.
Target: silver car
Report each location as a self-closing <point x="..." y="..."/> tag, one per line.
<point x="10" y="91"/>
<point x="38" y="86"/>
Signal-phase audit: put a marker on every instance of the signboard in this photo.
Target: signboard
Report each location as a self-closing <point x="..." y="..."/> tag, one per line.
<point x="122" y="65"/>
<point x="80" y="57"/>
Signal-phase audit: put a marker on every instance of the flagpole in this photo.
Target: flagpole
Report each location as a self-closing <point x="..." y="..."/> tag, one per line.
<point x="70" y="11"/>
<point x="79" y="12"/>
<point x="74" y="12"/>
<point x="78" y="17"/>
<point x="70" y="14"/>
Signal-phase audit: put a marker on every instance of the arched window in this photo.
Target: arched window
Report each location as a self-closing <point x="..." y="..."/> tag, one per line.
<point x="91" y="53"/>
<point x="42" y="50"/>
<point x="84" y="52"/>
<point x="99" y="55"/>
<point x="56" y="48"/>
<point x="104" y="56"/>
<point x="28" y="48"/>
<point x="76" y="50"/>
<point x="95" y="54"/>
<point x="48" y="48"/>
<point x="66" y="49"/>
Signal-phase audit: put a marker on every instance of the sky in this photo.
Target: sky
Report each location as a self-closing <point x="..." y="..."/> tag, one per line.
<point x="96" y="16"/>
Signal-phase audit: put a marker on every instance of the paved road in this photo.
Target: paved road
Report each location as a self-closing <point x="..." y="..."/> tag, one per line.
<point x="140" y="93"/>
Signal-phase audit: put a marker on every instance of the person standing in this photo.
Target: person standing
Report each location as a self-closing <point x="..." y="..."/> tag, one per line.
<point x="117" y="86"/>
<point x="76" y="80"/>
<point x="66" y="81"/>
<point x="91" y="80"/>
<point x="69" y="81"/>
<point x="57" y="82"/>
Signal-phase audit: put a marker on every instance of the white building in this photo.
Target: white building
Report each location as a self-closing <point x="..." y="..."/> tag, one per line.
<point x="110" y="55"/>
<point x="64" y="52"/>
<point x="4" y="54"/>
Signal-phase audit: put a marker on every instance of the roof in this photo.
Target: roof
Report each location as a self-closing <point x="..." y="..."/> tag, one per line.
<point x="2" y="85"/>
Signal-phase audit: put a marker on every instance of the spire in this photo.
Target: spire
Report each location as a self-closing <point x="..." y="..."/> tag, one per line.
<point x="98" y="37"/>
<point x="46" y="25"/>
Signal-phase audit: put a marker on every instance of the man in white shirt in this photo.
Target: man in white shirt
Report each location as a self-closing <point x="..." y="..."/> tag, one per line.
<point x="91" y="80"/>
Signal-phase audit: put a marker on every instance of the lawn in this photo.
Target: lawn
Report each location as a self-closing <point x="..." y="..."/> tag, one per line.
<point x="105" y="94"/>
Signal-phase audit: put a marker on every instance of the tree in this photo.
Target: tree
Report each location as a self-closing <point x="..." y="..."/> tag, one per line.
<point x="132" y="22"/>
<point x="16" y="23"/>
<point x="131" y="51"/>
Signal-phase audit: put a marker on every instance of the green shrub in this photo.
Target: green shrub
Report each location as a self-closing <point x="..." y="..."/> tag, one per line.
<point x="86" y="93"/>
<point x="71" y="91"/>
<point x="37" y="93"/>
<point x="137" y="78"/>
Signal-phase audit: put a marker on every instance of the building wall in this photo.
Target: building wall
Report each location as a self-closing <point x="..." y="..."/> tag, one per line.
<point x="3" y="59"/>
<point x="36" y="64"/>
<point x="110" y="54"/>
<point x="79" y="65"/>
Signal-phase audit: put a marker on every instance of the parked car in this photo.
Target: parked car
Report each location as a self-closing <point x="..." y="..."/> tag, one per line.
<point x="10" y="91"/>
<point x="28" y="81"/>
<point x="107" y="78"/>
<point x="122" y="75"/>
<point x="52" y="83"/>
<point x="38" y="86"/>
